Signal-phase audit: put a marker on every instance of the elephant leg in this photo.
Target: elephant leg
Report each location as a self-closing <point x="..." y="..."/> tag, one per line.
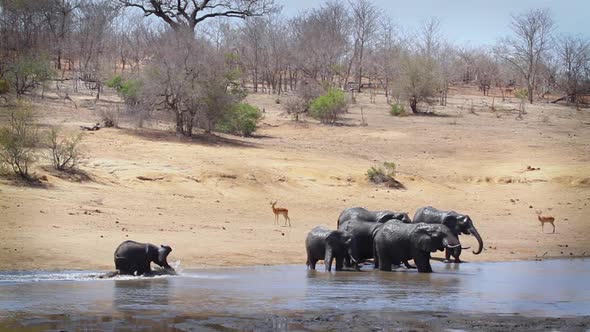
<point x="448" y="254"/>
<point x="311" y="262"/>
<point x="375" y="258"/>
<point x="339" y="263"/>
<point x="122" y="265"/>
<point x="328" y="260"/>
<point x="423" y="263"/>
<point x="384" y="263"/>
<point x="456" y="253"/>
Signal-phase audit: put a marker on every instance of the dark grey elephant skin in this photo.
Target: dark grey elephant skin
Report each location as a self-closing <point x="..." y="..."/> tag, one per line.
<point x="135" y="258"/>
<point x="328" y="245"/>
<point x="363" y="233"/>
<point x="396" y="242"/>
<point x="359" y="213"/>
<point x="456" y="222"/>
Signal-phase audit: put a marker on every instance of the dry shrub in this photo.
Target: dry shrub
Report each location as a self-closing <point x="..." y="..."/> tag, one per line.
<point x="110" y="117"/>
<point x="64" y="151"/>
<point x="384" y="174"/>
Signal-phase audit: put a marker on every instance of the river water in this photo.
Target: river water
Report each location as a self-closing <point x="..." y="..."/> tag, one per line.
<point x="37" y="300"/>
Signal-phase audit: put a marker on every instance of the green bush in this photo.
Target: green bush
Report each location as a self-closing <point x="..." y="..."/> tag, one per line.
<point x="128" y="89"/>
<point x="327" y="108"/>
<point x="4" y="88"/>
<point x="240" y="119"/>
<point x="397" y="110"/>
<point x="18" y="141"/>
<point x="115" y="82"/>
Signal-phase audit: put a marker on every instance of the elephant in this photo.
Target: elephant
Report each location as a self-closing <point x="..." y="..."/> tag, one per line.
<point x="322" y="243"/>
<point x="397" y="242"/>
<point x="456" y="222"/>
<point x="363" y="233"/>
<point x="360" y="213"/>
<point x="134" y="258"/>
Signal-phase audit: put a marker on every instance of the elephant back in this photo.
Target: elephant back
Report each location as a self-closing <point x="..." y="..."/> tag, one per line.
<point x="429" y="215"/>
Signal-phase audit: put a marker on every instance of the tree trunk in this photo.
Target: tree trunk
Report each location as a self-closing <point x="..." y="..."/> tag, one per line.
<point x="414" y="104"/>
<point x="179" y="123"/>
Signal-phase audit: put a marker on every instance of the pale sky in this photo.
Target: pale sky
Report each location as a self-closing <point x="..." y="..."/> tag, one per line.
<point x="472" y="22"/>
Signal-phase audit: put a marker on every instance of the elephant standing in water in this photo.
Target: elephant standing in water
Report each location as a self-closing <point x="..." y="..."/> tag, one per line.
<point x="322" y="243"/>
<point x="134" y="258"/>
<point x="363" y="224"/>
<point x="456" y="222"/>
<point x="397" y="242"/>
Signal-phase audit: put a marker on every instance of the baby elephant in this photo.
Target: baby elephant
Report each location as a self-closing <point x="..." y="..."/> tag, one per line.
<point x="134" y="258"/>
<point x="322" y="243"/>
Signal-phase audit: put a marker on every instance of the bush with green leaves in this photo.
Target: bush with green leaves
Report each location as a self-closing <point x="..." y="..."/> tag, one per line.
<point x="18" y="141"/>
<point x="382" y="173"/>
<point x="28" y="72"/>
<point x="64" y="151"/>
<point x="128" y="89"/>
<point x="397" y="110"/>
<point x="327" y="108"/>
<point x="241" y="119"/>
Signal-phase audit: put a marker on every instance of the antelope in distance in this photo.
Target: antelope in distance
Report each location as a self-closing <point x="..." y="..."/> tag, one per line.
<point x="545" y="219"/>
<point x="280" y="211"/>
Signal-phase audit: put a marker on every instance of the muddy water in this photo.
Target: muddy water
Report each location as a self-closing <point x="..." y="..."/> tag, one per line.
<point x="44" y="300"/>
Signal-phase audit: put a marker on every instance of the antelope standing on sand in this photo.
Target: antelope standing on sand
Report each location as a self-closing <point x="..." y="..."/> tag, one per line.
<point x="545" y="219"/>
<point x="280" y="211"/>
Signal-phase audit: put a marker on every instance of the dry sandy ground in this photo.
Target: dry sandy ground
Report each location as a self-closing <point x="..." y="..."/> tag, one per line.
<point x="208" y="198"/>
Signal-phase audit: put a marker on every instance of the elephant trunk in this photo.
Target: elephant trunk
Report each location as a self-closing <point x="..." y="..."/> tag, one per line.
<point x="474" y="232"/>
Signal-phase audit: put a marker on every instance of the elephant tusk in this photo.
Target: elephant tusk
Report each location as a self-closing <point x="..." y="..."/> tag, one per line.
<point x="465" y="248"/>
<point x="451" y="246"/>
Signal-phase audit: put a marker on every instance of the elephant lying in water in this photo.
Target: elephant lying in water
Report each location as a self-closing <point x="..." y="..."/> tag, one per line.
<point x="456" y="222"/>
<point x="397" y="242"/>
<point x="135" y="258"/>
<point x="322" y="243"/>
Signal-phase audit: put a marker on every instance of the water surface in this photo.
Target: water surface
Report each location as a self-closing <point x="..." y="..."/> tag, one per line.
<point x="549" y="288"/>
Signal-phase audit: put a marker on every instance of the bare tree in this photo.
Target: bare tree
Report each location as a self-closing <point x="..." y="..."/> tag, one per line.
<point x="186" y="14"/>
<point x="59" y="15"/>
<point x="321" y="42"/>
<point x="366" y="24"/>
<point x="525" y="51"/>
<point x="573" y="56"/>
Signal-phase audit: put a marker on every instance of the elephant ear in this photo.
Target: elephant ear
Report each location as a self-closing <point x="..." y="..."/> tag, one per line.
<point x="334" y="239"/>
<point x="451" y="220"/>
<point x="424" y="238"/>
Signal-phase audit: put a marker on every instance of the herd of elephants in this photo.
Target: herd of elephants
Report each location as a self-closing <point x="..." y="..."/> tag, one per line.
<point x="389" y="238"/>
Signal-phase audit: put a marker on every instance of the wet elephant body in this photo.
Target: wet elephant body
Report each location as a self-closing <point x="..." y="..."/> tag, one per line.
<point x="135" y="258"/>
<point x="397" y="242"/>
<point x="359" y="213"/>
<point x="456" y="222"/>
<point x="363" y="224"/>
<point x="329" y="245"/>
<point x="363" y="233"/>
